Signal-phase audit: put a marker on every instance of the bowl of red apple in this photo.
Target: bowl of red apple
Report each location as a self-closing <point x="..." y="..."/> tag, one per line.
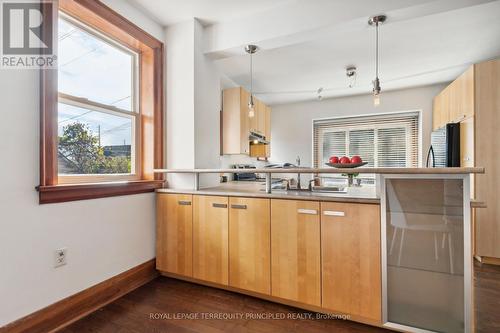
<point x="345" y="162"/>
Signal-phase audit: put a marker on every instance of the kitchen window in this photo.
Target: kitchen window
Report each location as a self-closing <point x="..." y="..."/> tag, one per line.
<point x="102" y="109"/>
<point x="385" y="141"/>
<point x="97" y="106"/>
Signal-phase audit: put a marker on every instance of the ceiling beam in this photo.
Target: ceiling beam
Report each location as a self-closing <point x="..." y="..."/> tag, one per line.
<point x="302" y="21"/>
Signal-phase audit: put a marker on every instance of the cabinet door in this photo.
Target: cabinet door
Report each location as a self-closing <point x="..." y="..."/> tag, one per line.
<point x="350" y="255"/>
<point x="253" y="122"/>
<point x="462" y="96"/>
<point x="174" y="238"/>
<point x="436" y="112"/>
<point x="210" y="238"/>
<point x="487" y="123"/>
<point x="268" y="131"/>
<point x="295" y="251"/>
<point x="249" y="244"/>
<point x="244" y="122"/>
<point x="261" y="117"/>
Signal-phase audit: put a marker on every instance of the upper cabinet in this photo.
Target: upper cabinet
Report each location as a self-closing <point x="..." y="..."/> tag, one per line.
<point x="455" y="102"/>
<point x="237" y="124"/>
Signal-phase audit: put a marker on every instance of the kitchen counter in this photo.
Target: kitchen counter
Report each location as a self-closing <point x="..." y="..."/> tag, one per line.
<point x="417" y="171"/>
<point x="363" y="194"/>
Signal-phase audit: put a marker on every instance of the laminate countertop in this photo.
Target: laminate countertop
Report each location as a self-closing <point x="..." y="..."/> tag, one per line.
<point x="363" y="194"/>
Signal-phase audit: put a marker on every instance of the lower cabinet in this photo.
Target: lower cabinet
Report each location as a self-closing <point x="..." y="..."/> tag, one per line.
<point x="295" y="249"/>
<point x="210" y="238"/>
<point x="174" y="243"/>
<point x="249" y="244"/>
<point x="350" y="255"/>
<point x="323" y="254"/>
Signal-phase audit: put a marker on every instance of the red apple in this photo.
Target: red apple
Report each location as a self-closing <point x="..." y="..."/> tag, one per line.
<point x="345" y="160"/>
<point x="356" y="159"/>
<point x="333" y="159"/>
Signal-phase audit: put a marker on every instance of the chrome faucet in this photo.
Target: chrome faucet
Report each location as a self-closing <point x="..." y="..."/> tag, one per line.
<point x="298" y="175"/>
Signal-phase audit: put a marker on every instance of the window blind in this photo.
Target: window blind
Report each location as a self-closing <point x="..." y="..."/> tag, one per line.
<point x="389" y="140"/>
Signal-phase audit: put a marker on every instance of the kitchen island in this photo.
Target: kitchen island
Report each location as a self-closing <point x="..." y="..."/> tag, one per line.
<point x="397" y="255"/>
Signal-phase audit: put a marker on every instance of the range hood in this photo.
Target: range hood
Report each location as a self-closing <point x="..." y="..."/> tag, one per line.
<point x="258" y="138"/>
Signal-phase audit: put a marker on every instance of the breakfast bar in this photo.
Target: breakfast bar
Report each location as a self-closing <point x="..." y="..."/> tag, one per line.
<point x="396" y="254"/>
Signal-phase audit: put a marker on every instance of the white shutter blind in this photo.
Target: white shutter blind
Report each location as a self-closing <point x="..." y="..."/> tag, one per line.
<point x="381" y="140"/>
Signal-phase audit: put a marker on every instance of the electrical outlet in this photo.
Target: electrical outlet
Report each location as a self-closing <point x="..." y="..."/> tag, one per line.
<point x="60" y="257"/>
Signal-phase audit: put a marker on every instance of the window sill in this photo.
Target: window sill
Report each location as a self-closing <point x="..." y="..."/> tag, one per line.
<point x="73" y="192"/>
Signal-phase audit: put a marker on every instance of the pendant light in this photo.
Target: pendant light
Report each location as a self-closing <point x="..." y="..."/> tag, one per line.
<point x="376" y="21"/>
<point x="251" y="49"/>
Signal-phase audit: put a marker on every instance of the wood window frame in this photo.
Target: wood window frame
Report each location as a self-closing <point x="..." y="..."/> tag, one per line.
<point x="151" y="56"/>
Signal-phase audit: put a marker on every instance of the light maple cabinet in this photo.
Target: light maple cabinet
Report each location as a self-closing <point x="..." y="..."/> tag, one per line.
<point x="249" y="244"/>
<point x="267" y="130"/>
<point x="473" y="100"/>
<point x="295" y="251"/>
<point x="235" y="121"/>
<point x="174" y="242"/>
<point x="441" y="109"/>
<point x="210" y="239"/>
<point x="456" y="102"/>
<point x="487" y="155"/>
<point x="237" y="125"/>
<point x="350" y="259"/>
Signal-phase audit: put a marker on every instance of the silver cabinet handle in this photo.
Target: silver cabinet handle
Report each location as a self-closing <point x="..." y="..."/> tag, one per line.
<point x="219" y="205"/>
<point x="239" y="206"/>
<point x="307" y="211"/>
<point x="333" y="213"/>
<point x="184" y="203"/>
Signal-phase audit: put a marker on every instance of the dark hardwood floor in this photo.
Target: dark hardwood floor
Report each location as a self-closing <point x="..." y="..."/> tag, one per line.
<point x="145" y="310"/>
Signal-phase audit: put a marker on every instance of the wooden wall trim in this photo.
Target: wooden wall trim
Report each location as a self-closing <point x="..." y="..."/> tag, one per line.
<point x="72" y="308"/>
<point x="151" y="132"/>
<point x="120" y="22"/>
<point x="73" y="192"/>
<point x="48" y="118"/>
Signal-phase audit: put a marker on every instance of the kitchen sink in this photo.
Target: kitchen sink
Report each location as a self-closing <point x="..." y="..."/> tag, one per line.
<point x="316" y="189"/>
<point x="330" y="189"/>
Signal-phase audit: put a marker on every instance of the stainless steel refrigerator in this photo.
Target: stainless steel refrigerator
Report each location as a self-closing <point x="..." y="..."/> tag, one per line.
<point x="445" y="147"/>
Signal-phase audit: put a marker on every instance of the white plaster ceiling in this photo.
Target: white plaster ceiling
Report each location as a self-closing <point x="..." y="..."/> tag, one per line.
<point x="306" y="45"/>
<point x="168" y="12"/>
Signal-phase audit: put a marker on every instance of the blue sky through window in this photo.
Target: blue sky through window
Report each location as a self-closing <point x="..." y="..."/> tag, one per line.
<point x="93" y="69"/>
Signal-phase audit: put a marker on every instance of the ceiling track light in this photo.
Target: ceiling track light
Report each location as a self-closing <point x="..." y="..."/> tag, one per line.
<point x="319" y="91"/>
<point x="376" y="21"/>
<point x="251" y="49"/>
<point x="351" y="73"/>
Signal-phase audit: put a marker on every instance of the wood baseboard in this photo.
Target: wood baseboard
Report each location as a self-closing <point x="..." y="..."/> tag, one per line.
<point x="488" y="260"/>
<point x="60" y="314"/>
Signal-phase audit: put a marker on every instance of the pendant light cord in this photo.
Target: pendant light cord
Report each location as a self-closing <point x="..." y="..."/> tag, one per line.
<point x="376" y="49"/>
<point x="251" y="74"/>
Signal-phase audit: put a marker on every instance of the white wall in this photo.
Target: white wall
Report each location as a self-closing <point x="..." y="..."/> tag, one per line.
<point x="207" y="105"/>
<point x="104" y="237"/>
<point x="291" y="124"/>
<point x="194" y="86"/>
<point x="179" y="44"/>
